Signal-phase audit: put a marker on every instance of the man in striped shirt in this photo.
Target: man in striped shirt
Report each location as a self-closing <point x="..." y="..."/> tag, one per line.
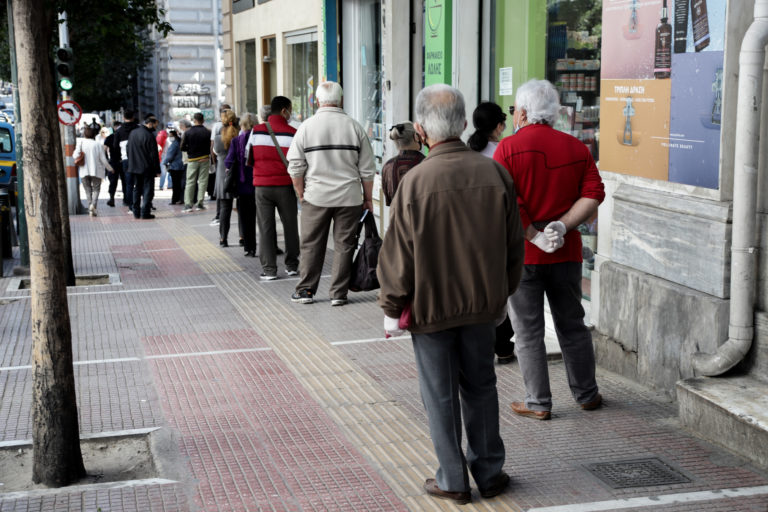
<point x="332" y="168"/>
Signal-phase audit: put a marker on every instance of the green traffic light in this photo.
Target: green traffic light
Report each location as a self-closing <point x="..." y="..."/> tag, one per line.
<point x="65" y="84"/>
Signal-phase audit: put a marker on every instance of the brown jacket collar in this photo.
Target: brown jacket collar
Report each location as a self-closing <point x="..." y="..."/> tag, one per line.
<point x="448" y="146"/>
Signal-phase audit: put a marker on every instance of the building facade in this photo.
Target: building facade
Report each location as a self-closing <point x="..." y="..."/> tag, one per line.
<point x="186" y="73"/>
<point x="649" y="86"/>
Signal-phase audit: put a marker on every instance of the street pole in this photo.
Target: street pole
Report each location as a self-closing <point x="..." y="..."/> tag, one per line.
<point x="70" y="138"/>
<point x="22" y="217"/>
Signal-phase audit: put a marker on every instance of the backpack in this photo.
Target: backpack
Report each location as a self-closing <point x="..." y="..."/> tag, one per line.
<point x="367" y="258"/>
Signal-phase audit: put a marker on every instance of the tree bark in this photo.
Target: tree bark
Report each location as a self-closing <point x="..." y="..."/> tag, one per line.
<point x="57" y="459"/>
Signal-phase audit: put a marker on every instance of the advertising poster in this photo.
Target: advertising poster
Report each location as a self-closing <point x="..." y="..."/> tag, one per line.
<point x="694" y="139"/>
<point x="661" y="86"/>
<point x="634" y="127"/>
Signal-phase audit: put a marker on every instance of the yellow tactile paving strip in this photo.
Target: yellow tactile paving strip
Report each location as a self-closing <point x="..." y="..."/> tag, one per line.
<point x="396" y="444"/>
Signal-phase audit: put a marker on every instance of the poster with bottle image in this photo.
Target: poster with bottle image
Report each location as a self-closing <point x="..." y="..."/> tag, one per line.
<point x="634" y="127"/>
<point x="694" y="133"/>
<point x="629" y="38"/>
<point x="699" y="25"/>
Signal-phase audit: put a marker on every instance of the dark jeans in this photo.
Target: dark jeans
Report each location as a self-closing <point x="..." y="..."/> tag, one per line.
<point x="283" y="199"/>
<point x="127" y="186"/>
<point x="143" y="185"/>
<point x="458" y="382"/>
<point x="177" y="183"/>
<point x="561" y="282"/>
<point x="246" y="215"/>
<point x="504" y="332"/>
<point x="225" y="214"/>
<point x="113" y="178"/>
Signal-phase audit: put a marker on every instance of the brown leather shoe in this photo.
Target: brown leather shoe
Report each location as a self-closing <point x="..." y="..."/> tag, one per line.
<point x="461" y="498"/>
<point x="594" y="403"/>
<point x="496" y="485"/>
<point x="522" y="410"/>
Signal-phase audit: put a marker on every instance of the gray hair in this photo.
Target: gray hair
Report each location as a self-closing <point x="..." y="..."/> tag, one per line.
<point x="540" y="100"/>
<point x="440" y="111"/>
<point x="248" y="120"/>
<point x="329" y="93"/>
<point x="185" y="123"/>
<point x="402" y="134"/>
<point x="264" y="112"/>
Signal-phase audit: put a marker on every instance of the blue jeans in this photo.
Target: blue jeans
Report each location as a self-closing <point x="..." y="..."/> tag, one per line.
<point x="128" y="186"/>
<point x="458" y="381"/>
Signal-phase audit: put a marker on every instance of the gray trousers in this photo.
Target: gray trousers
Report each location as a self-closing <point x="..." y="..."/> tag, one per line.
<point x="561" y="282"/>
<point x="458" y="381"/>
<point x="92" y="186"/>
<point x="315" y="225"/>
<point x="284" y="200"/>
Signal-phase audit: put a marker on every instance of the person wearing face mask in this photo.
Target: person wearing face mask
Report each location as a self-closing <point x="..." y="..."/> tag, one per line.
<point x="558" y="187"/>
<point x="490" y="122"/>
<point x="266" y="150"/>
<point x="454" y="253"/>
<point x="173" y="161"/>
<point x="409" y="145"/>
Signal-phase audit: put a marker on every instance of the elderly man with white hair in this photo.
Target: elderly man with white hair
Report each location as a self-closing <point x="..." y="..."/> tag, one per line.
<point x="331" y="165"/>
<point x="453" y="253"/>
<point x="558" y="188"/>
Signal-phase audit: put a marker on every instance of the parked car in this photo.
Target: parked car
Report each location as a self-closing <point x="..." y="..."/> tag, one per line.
<point x="10" y="115"/>
<point x="7" y="158"/>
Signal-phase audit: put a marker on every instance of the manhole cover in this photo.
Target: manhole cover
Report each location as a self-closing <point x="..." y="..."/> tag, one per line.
<point x="636" y="473"/>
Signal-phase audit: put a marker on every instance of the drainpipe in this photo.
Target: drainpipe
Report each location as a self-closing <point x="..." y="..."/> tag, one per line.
<point x="743" y="249"/>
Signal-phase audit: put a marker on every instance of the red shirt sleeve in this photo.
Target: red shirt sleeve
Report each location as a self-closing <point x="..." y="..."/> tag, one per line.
<point x="501" y="155"/>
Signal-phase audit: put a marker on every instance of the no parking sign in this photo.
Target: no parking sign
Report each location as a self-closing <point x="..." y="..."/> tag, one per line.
<point x="69" y="112"/>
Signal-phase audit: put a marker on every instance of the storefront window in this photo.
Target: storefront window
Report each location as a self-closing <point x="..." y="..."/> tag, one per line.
<point x="361" y="68"/>
<point x="247" y="53"/>
<point x="302" y="65"/>
<point x="574" y="32"/>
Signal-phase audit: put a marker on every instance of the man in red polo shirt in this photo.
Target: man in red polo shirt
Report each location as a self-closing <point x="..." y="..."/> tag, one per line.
<point x="558" y="187"/>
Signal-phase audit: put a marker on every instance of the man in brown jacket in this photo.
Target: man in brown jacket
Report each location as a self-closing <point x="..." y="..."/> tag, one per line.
<point x="454" y="252"/>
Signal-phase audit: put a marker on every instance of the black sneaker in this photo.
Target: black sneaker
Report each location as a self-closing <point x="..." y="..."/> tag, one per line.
<point x="302" y="297"/>
<point x="267" y="277"/>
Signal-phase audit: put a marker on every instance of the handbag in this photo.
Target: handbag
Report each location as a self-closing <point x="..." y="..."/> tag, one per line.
<point x="80" y="160"/>
<point x="230" y="182"/>
<point x="367" y="257"/>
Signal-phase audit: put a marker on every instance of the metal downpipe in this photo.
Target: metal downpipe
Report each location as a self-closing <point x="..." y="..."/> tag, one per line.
<point x="744" y="245"/>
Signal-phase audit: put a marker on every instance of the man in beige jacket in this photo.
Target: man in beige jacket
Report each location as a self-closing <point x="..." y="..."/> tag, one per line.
<point x="454" y="253"/>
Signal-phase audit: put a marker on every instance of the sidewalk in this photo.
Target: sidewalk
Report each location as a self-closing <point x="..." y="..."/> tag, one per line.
<point x="271" y="405"/>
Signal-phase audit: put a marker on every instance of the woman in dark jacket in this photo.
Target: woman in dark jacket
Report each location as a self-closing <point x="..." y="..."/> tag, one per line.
<point x="409" y="145"/>
<point x="246" y="204"/>
<point x="172" y="159"/>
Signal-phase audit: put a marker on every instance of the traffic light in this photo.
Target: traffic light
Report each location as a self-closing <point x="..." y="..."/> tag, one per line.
<point x="64" y="68"/>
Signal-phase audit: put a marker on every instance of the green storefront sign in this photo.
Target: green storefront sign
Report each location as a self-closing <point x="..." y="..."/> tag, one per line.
<point x="438" y="25"/>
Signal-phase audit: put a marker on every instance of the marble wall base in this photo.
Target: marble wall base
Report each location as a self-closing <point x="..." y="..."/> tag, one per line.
<point x="681" y="239"/>
<point x="649" y="327"/>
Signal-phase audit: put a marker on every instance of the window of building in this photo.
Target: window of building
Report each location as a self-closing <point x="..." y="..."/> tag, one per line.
<point x="241" y="5"/>
<point x="574" y="30"/>
<point x="248" y="96"/>
<point x="301" y="67"/>
<point x="362" y="70"/>
<point x="269" y="69"/>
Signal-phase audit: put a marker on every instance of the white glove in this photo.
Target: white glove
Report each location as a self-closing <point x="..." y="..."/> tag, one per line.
<point x="544" y="243"/>
<point x="555" y="230"/>
<point x="392" y="327"/>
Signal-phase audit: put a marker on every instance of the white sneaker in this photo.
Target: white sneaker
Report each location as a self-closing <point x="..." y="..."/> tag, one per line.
<point x="187" y="209"/>
<point x="215" y="222"/>
<point x="291" y="272"/>
<point x="267" y="277"/>
<point x="91" y="207"/>
<point x="339" y="302"/>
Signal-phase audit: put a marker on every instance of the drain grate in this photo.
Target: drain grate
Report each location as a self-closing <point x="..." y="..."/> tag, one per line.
<point x="636" y="473"/>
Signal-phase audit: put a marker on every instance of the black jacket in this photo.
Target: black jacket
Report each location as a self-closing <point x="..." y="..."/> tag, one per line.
<point x="197" y="141"/>
<point x="142" y="152"/>
<point x="121" y="139"/>
<point x="114" y="156"/>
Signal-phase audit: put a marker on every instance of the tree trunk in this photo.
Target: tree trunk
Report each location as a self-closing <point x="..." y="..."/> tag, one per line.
<point x="57" y="459"/>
